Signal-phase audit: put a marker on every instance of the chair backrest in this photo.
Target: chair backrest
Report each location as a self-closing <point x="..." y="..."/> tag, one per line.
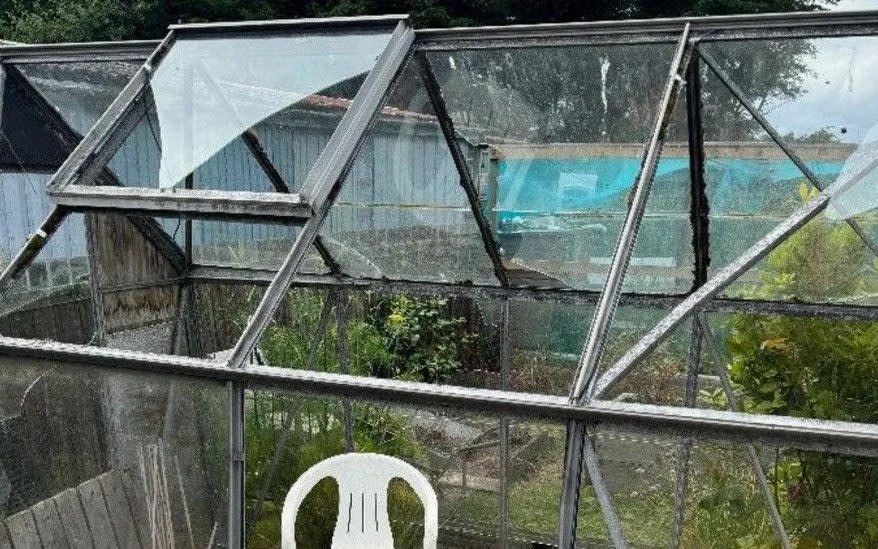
<point x="362" y="519"/>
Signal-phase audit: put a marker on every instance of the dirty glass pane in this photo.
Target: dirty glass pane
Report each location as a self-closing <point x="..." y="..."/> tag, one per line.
<point x="457" y="452"/>
<point x="115" y="459"/>
<point x="207" y="92"/>
<point x="402" y="213"/>
<point x="121" y="292"/>
<point x="430" y="338"/>
<point x="51" y="297"/>
<point x="823" y="499"/>
<point x="563" y="132"/>
<point x="79" y="92"/>
<point x="248" y="245"/>
<point x="817" y="93"/>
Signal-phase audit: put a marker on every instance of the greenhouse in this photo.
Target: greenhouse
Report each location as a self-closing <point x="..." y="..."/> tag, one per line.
<point x="605" y="284"/>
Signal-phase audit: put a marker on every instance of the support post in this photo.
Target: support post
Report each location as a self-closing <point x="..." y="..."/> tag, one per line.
<point x="237" y="464"/>
<point x="341" y="319"/>
<point x="99" y="333"/>
<point x="684" y="451"/>
<point x="503" y="533"/>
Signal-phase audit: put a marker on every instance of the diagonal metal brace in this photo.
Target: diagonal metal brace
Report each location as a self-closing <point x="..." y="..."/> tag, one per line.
<point x="466" y="179"/>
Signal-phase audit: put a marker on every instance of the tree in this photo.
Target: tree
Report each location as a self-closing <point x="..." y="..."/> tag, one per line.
<point x="81" y="20"/>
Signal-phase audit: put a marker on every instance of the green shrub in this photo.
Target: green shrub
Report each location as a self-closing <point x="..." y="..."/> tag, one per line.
<point x="817" y="368"/>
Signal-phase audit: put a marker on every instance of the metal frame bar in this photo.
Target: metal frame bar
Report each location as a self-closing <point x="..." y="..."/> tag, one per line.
<point x="136" y="50"/>
<point x="195" y="203"/>
<point x="814" y="434"/>
<point x="434" y="92"/>
<point x="325" y="179"/>
<point x="723" y="27"/>
<point x="319" y="24"/>
<point x="503" y="493"/>
<point x="684" y="451"/>
<point x="606" y="307"/>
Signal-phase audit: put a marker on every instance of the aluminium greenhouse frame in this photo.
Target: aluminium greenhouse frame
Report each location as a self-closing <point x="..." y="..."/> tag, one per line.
<point x="584" y="407"/>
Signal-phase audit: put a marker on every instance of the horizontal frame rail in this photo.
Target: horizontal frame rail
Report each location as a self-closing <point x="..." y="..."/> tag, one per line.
<point x="200" y="203"/>
<point x="261" y="277"/>
<point x="819" y="435"/>
<point x="134" y="50"/>
<point x="667" y="30"/>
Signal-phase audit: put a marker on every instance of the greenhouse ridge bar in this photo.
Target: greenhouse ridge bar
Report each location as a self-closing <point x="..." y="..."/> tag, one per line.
<point x="307" y="203"/>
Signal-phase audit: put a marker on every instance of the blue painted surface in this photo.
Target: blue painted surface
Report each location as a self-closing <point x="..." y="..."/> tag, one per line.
<point x="540" y="186"/>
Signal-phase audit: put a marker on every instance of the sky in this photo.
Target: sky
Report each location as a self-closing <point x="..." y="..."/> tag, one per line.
<point x="841" y="93"/>
<point x="857" y="5"/>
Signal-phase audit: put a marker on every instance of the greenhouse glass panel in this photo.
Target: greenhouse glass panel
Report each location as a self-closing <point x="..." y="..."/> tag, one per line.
<point x="605" y="284"/>
<point x="111" y="458"/>
<point x="80" y="92"/>
<point x="248" y="246"/>
<point x="818" y="93"/>
<point x="207" y="92"/>
<point x="402" y="212"/>
<point x="564" y="130"/>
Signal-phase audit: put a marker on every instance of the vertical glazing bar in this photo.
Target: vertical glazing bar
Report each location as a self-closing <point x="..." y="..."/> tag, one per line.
<point x="752" y="455"/>
<point x="463" y="169"/>
<point x="236" y="465"/>
<point x="94" y="280"/>
<point x="188" y="149"/>
<point x="504" y="425"/>
<point x="684" y="451"/>
<point x="341" y="319"/>
<point x="571" y="480"/>
<point x="699" y="208"/>
<point x="593" y="348"/>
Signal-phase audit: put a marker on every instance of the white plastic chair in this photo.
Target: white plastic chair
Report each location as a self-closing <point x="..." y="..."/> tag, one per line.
<point x="362" y="519"/>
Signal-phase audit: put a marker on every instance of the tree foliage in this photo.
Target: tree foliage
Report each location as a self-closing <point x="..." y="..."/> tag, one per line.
<point x="82" y="20"/>
<point x="815" y="368"/>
